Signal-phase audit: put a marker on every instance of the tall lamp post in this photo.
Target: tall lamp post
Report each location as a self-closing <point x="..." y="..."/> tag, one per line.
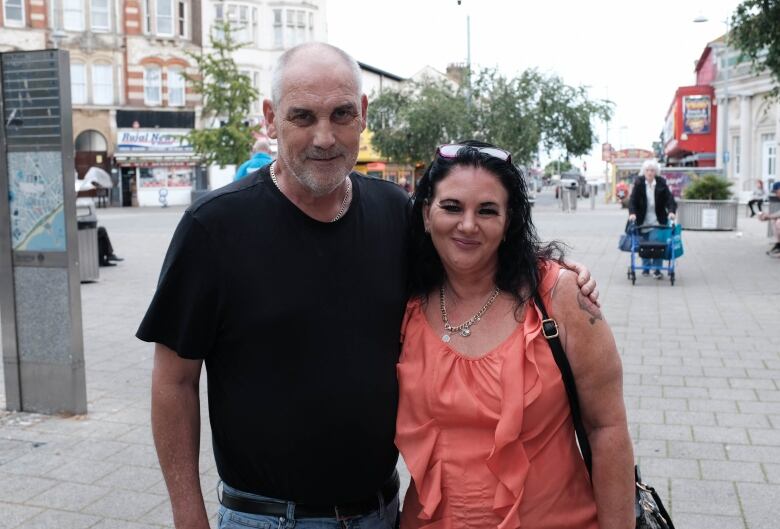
<point x="725" y="133"/>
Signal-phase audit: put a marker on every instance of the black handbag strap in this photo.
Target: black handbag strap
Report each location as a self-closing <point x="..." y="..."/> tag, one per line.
<point x="550" y="331"/>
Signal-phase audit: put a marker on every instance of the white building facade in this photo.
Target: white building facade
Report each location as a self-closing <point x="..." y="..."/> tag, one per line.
<point x="753" y="124"/>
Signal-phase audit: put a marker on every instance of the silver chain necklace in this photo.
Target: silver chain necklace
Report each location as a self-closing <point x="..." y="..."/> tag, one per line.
<point x="343" y="202"/>
<point x="464" y="329"/>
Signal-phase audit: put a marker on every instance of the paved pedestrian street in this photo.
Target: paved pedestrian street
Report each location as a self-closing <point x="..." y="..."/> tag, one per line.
<point x="701" y="361"/>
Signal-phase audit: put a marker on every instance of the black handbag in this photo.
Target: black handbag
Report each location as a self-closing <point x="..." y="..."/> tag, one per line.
<point x="648" y="508"/>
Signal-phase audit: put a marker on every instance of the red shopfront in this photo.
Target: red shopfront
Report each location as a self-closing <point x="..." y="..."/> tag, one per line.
<point x="690" y="130"/>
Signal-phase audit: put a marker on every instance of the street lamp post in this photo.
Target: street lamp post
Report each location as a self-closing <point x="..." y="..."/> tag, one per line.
<point x="725" y="133"/>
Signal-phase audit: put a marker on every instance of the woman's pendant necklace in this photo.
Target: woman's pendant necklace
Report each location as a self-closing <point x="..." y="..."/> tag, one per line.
<point x="464" y="329"/>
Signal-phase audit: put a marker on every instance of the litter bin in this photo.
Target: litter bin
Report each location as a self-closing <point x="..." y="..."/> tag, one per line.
<point x="87" y="239"/>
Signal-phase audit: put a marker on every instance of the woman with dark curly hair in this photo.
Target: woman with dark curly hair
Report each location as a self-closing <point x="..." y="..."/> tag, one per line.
<point x="484" y="424"/>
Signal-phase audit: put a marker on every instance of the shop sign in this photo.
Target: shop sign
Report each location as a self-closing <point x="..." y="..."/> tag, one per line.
<point x="697" y="113"/>
<point x="152" y="140"/>
<point x="668" y="132"/>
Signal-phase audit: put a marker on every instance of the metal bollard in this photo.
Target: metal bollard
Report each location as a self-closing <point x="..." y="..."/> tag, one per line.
<point x="592" y="196"/>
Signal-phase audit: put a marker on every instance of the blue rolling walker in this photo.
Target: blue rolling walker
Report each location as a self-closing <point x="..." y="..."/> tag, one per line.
<point x="652" y="249"/>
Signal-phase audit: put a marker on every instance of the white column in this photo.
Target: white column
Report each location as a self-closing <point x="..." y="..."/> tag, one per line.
<point x="746" y="143"/>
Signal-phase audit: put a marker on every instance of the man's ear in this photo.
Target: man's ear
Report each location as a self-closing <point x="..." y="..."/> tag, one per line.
<point x="270" y="115"/>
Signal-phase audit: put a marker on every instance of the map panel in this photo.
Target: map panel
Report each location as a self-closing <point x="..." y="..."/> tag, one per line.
<point x="36" y="200"/>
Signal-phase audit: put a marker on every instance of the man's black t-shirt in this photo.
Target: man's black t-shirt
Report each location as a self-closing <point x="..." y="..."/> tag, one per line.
<point x="298" y="322"/>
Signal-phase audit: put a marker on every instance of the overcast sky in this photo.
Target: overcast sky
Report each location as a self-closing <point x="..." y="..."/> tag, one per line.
<point x="634" y="52"/>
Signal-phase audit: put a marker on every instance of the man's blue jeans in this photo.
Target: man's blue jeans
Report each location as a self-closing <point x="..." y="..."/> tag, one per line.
<point x="384" y="518"/>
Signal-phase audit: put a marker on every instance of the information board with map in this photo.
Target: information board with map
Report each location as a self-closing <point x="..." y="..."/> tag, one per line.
<point x="36" y="201"/>
<point x="31" y="94"/>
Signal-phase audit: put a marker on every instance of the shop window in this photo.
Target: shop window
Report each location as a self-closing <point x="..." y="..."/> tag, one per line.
<point x="99" y="15"/>
<point x="14" y="13"/>
<point x="78" y="84"/>
<point x="73" y="14"/>
<point x="102" y="84"/>
<point x="152" y="86"/>
<point x="175" y="87"/>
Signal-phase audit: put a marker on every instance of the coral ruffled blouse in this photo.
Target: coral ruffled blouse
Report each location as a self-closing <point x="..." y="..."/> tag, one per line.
<point x="489" y="441"/>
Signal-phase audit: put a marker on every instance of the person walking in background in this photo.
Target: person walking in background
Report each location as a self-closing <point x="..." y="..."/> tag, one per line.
<point x="759" y="194"/>
<point x="774" y="251"/>
<point x="651" y="204"/>
<point x="261" y="156"/>
<point x="484" y="424"/>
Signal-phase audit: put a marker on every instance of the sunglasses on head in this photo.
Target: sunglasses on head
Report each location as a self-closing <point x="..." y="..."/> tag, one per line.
<point x="451" y="151"/>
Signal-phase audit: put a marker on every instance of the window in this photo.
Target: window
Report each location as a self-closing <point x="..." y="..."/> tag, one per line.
<point x="14" y="13"/>
<point x="769" y="148"/>
<point x="737" y="155"/>
<point x="175" y="87"/>
<point x="99" y="15"/>
<point x="78" y="84"/>
<point x="182" y="18"/>
<point x="164" y="14"/>
<point x="73" y="14"/>
<point x="152" y="86"/>
<point x="102" y="84"/>
<point x="242" y="20"/>
<point x="298" y="27"/>
<point x="278" y="42"/>
<point x="148" y="16"/>
<point x="238" y="16"/>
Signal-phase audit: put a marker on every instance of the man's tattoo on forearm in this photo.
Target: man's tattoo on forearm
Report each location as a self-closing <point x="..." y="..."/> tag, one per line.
<point x="588" y="306"/>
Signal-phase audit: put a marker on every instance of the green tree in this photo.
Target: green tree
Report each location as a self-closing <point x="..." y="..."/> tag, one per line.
<point x="408" y="124"/>
<point x="505" y="112"/>
<point x="519" y="114"/>
<point x="557" y="167"/>
<point x="227" y="99"/>
<point x="756" y="31"/>
<point x="566" y="116"/>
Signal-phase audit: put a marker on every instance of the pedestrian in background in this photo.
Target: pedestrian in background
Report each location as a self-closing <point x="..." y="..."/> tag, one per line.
<point x="484" y="424"/>
<point x="758" y="198"/>
<point x="261" y="156"/>
<point x="651" y="204"/>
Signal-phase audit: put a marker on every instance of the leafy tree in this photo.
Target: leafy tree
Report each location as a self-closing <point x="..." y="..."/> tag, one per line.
<point x="506" y="112"/>
<point x="519" y="114"/>
<point x="408" y="124"/>
<point x="557" y="167"/>
<point x="756" y="31"/>
<point x="227" y="99"/>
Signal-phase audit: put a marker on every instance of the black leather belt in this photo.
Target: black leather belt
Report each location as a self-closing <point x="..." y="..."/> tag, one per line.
<point x="302" y="510"/>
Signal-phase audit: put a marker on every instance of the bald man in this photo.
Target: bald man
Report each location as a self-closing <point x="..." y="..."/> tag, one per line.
<point x="290" y="286"/>
<point x="261" y="156"/>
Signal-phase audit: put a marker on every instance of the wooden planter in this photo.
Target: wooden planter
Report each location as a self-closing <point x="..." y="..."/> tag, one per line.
<point x="707" y="214"/>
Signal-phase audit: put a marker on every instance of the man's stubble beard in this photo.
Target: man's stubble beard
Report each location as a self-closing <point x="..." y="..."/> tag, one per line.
<point x="318" y="187"/>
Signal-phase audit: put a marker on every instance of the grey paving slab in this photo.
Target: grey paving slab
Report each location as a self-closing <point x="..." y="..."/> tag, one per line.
<point x="53" y="519"/>
<point x="68" y="496"/>
<point x="15" y="515"/>
<point x="760" y="504"/>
